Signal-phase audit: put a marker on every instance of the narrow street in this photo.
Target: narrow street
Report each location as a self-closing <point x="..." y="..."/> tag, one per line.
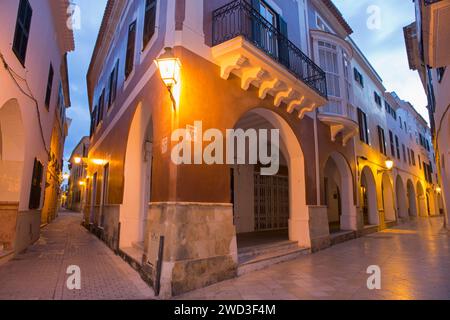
<point x="40" y="272"/>
<point x="414" y="259"/>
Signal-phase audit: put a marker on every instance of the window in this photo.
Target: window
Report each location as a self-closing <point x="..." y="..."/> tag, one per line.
<point x="320" y="24"/>
<point x="397" y="146"/>
<point x="420" y="162"/>
<point x="391" y="140"/>
<point x="413" y="158"/>
<point x="409" y="156"/>
<point x="358" y="77"/>
<point x="113" y="85"/>
<point x="48" y="93"/>
<point x="401" y="123"/>
<point x="377" y="98"/>
<point x="363" y="129"/>
<point x="404" y="152"/>
<point x="36" y="185"/>
<point x="150" y="21"/>
<point x="382" y="140"/>
<point x="101" y="107"/>
<point x="328" y="58"/>
<point x="129" y="63"/>
<point x="22" y="32"/>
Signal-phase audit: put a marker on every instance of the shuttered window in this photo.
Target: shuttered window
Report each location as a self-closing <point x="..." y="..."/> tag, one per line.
<point x="48" y="93"/>
<point x="113" y="85"/>
<point x="129" y="63"/>
<point x="150" y="21"/>
<point x="22" y="32"/>
<point x="382" y="140"/>
<point x="36" y="185"/>
<point x="363" y="129"/>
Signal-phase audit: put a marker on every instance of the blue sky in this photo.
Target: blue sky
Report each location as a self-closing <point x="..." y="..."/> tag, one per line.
<point x="91" y="13"/>
<point x="384" y="48"/>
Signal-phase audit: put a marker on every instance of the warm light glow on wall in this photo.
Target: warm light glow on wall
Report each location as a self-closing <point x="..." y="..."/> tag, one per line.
<point x="82" y="183"/>
<point x="438" y="189"/>
<point x="99" y="162"/>
<point x="77" y="160"/>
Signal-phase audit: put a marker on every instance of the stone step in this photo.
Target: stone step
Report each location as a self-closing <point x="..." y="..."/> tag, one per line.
<point x="267" y="259"/>
<point x="248" y="252"/>
<point x="133" y="256"/>
<point x="342" y="236"/>
<point x="138" y="245"/>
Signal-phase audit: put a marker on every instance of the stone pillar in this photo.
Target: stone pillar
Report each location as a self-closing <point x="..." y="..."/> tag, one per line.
<point x="319" y="230"/>
<point x="200" y="245"/>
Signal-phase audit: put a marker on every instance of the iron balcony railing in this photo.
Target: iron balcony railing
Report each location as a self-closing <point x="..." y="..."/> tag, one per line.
<point x="239" y="18"/>
<point x="430" y="2"/>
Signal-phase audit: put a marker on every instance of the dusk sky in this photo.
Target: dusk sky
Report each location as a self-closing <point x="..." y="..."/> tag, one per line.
<point x="384" y="48"/>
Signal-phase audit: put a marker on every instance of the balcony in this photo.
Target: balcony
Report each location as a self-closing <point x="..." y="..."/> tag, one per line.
<point x="340" y="120"/>
<point x="436" y="32"/>
<point x="247" y="45"/>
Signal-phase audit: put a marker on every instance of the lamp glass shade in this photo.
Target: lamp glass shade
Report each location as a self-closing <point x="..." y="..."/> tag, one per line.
<point x="389" y="164"/>
<point x="170" y="70"/>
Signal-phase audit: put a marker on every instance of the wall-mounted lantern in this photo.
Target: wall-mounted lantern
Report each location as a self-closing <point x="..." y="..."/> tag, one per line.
<point x="170" y="70"/>
<point x="389" y="164"/>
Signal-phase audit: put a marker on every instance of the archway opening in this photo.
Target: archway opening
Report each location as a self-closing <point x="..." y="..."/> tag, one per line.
<point x="388" y="199"/>
<point x="338" y="194"/>
<point x="137" y="184"/>
<point x="402" y="205"/>
<point x="12" y="151"/>
<point x="412" y="203"/>
<point x="369" y="198"/>
<point x="12" y="156"/>
<point x="421" y="200"/>
<point x="269" y="208"/>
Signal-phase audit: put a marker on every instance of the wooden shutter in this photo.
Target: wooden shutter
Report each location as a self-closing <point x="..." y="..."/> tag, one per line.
<point x="283" y="42"/>
<point x="36" y="185"/>
<point x="48" y="93"/>
<point x="129" y="64"/>
<point x="150" y="21"/>
<point x="22" y="32"/>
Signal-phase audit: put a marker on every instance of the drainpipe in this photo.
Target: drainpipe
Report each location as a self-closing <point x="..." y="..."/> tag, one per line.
<point x="316" y="147"/>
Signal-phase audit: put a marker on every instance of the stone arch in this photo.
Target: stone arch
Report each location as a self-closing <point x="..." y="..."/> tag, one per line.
<point x="339" y="192"/>
<point x="369" y="197"/>
<point x="12" y="150"/>
<point x="421" y="200"/>
<point x="387" y="193"/>
<point x="412" y="199"/>
<point x="290" y="150"/>
<point x="137" y="177"/>
<point x="401" y="197"/>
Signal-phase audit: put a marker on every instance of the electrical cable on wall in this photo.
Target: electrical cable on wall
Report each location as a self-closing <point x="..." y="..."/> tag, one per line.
<point x="14" y="76"/>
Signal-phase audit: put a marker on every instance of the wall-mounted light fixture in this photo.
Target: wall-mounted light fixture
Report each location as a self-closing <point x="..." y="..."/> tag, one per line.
<point x="389" y="163"/>
<point x="82" y="183"/>
<point x="170" y="70"/>
<point x="438" y="189"/>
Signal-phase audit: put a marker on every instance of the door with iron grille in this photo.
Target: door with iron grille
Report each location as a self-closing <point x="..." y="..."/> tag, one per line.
<point x="271" y="202"/>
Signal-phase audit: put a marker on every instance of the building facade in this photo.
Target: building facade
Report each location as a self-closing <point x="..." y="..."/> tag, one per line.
<point x="34" y="96"/>
<point x="76" y="194"/>
<point x="427" y="43"/>
<point x="284" y="65"/>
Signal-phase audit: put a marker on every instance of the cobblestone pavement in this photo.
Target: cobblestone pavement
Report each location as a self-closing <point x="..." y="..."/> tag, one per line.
<point x="40" y="272"/>
<point x="414" y="259"/>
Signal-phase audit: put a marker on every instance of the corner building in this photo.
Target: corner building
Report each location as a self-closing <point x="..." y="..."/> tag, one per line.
<point x="286" y="65"/>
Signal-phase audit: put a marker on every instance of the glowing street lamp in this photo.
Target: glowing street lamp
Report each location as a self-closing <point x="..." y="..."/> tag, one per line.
<point x="389" y="164"/>
<point x="170" y="69"/>
<point x="77" y="160"/>
<point x="82" y="183"/>
<point x="438" y="189"/>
